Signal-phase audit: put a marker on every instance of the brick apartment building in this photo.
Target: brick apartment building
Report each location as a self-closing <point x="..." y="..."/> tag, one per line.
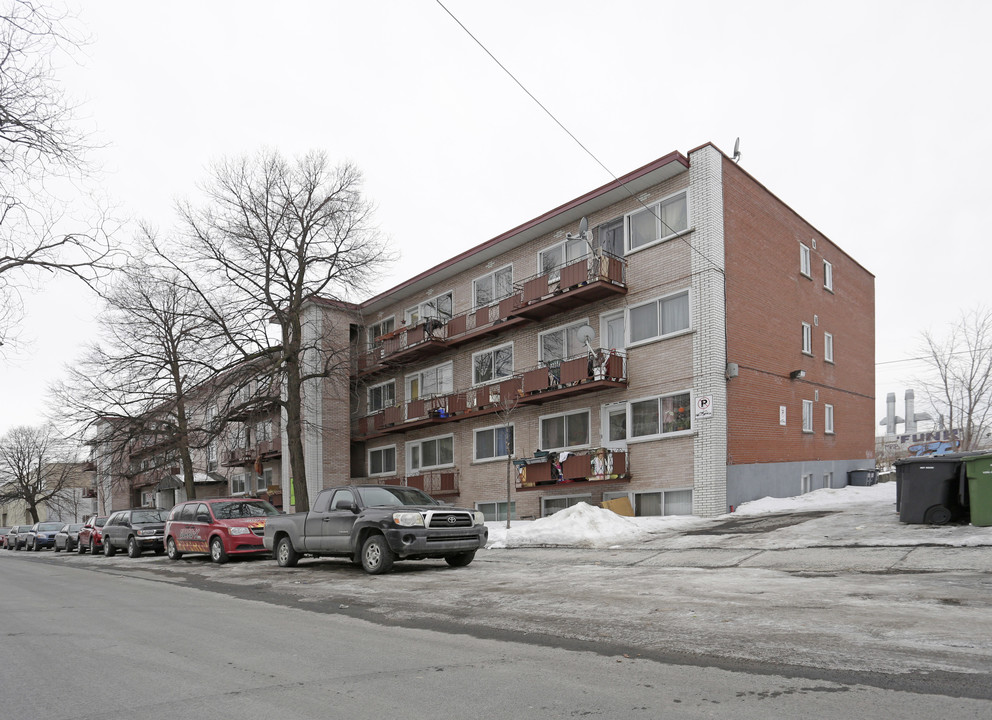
<point x="699" y="346"/>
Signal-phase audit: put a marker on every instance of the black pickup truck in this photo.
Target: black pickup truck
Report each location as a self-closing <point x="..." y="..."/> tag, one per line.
<point x="374" y="525"/>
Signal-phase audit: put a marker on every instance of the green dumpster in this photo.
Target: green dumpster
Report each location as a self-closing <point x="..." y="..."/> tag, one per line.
<point x="979" y="471"/>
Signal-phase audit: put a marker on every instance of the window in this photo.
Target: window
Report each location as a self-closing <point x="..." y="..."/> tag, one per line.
<point x="660" y="416"/>
<point x="212" y="457"/>
<point x="828" y="479"/>
<point x="806" y="484"/>
<point x="494" y="442"/>
<point x="431" y="453"/>
<point x="562" y="431"/>
<point x="828" y="276"/>
<point x="551" y="505"/>
<point x="807" y="416"/>
<point x="492" y="365"/>
<point x="432" y="381"/>
<point x="614" y="330"/>
<point x="807" y="339"/>
<point x="561" y="343"/>
<point x="496" y="511"/>
<point x="553" y="258"/>
<point x="660" y="502"/>
<point x="492" y="287"/>
<point x="617" y="423"/>
<point x="382" y="461"/>
<point x="657" y="222"/>
<point x="237" y="483"/>
<point x="659" y="318"/>
<point x="805" y="262"/>
<point x="263" y="430"/>
<point x="379" y="329"/>
<point x="828" y="347"/>
<point x="267" y="477"/>
<point x="828" y="419"/>
<point x="439" y="307"/>
<point x="382" y="396"/>
<point x="611" y="237"/>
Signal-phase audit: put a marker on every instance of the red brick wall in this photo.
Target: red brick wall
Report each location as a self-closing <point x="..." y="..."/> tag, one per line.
<point x="767" y="302"/>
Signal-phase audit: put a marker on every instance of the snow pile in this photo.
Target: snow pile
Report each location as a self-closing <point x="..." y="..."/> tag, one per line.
<point x="827" y="498"/>
<point x="581" y="525"/>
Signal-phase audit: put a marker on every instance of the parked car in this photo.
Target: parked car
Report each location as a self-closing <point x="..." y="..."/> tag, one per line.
<point x="135" y="530"/>
<point x="219" y="526"/>
<point x="17" y="536"/>
<point x="3" y="537"/>
<point x="91" y="535"/>
<point x="67" y="537"/>
<point x="42" y="535"/>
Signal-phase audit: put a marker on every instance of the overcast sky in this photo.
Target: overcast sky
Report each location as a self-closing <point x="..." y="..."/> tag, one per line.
<point x="870" y="119"/>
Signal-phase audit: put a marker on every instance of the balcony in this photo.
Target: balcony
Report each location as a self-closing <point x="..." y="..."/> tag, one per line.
<point x="270" y="448"/>
<point x="547" y="469"/>
<point x="603" y="370"/>
<point x="237" y="457"/>
<point x="435" y="483"/>
<point x="585" y="280"/>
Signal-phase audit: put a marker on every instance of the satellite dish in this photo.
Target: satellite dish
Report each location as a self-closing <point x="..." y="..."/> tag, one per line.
<point x="585" y="334"/>
<point x="583" y="225"/>
<point x="737" y="150"/>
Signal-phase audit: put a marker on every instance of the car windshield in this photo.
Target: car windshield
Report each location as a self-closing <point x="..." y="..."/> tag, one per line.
<point x="243" y="509"/>
<point x="388" y="495"/>
<point x="49" y="527"/>
<point x="148" y="516"/>
<point x="75" y="526"/>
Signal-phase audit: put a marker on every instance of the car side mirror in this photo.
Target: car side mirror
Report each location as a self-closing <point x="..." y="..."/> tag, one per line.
<point x="203" y="518"/>
<point x="346" y="505"/>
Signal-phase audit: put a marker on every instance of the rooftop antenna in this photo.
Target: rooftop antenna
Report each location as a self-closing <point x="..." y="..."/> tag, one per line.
<point x="737" y="150"/>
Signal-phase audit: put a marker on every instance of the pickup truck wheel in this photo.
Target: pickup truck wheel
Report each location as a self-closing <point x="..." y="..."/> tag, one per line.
<point x="133" y="549"/>
<point x="377" y="558"/>
<point x="217" y="552"/>
<point x="172" y="550"/>
<point x="286" y="555"/>
<point x="460" y="560"/>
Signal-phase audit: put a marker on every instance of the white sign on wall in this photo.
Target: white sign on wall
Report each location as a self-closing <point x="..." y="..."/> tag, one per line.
<point x="704" y="406"/>
<point x="781" y="414"/>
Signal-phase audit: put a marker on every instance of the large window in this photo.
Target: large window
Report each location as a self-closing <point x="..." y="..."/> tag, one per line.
<point x="660" y="415"/>
<point x="438" y="307"/>
<point x="611" y="237"/>
<point x="494" y="442"/>
<point x="553" y="258"/>
<point x="433" y="381"/>
<point x="382" y="461"/>
<point x="657" y="502"/>
<point x="493" y="287"/>
<point x="491" y="365"/>
<point x="380" y="328"/>
<point x="659" y="318"/>
<point x="565" y="431"/>
<point x="657" y="222"/>
<point x="382" y="396"/>
<point x="561" y="343"/>
<point x="431" y="453"/>
<point x="496" y="511"/>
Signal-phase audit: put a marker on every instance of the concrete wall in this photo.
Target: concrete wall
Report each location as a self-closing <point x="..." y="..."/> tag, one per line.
<point x="755" y="481"/>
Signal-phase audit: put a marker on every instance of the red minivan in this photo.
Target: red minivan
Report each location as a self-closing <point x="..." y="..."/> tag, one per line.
<point x="219" y="526"/>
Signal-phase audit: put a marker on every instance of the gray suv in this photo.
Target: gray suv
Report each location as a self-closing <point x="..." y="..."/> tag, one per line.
<point x="135" y="530"/>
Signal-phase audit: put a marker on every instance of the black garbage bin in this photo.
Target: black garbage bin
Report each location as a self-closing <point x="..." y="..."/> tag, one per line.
<point x="862" y="477"/>
<point x="932" y="489"/>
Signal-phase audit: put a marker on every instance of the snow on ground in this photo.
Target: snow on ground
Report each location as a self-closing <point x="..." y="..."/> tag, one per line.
<point x="859" y="516"/>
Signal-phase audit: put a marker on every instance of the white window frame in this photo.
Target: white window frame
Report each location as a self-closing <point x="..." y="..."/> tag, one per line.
<point x="417" y="313"/>
<point x="380" y="449"/>
<point x="419" y="467"/>
<point x="491" y="278"/>
<point x="238" y="484"/>
<point x="632" y="498"/>
<point x="577" y="498"/>
<point x="828" y="275"/>
<point x="663" y="233"/>
<point x="497" y="452"/>
<point x="662" y="335"/>
<point x="563" y="330"/>
<point x="807" y="416"/>
<point x="565" y="246"/>
<point x="442" y="389"/>
<point x="805" y="260"/>
<point x="498" y="511"/>
<point x="543" y="418"/>
<point x="659" y="399"/>
<point x="370" y="330"/>
<point x="492" y="351"/>
<point x="368" y="398"/>
<point x="828" y="419"/>
<point x="807" y="339"/>
<point x="828" y="347"/>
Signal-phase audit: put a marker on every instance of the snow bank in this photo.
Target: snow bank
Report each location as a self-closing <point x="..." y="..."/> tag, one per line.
<point x="821" y="499"/>
<point x="581" y="525"/>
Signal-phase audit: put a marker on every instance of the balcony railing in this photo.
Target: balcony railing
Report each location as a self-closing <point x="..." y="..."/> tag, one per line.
<point x="602" y="370"/>
<point x="265" y="449"/>
<point x="587" y="279"/>
<point x="549" y="469"/>
<point x="435" y="483"/>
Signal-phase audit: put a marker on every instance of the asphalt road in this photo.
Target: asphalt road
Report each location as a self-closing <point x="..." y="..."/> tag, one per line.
<point x="524" y="633"/>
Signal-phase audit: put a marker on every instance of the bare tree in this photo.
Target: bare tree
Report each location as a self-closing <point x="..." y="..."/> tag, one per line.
<point x="152" y="381"/>
<point x="37" y="138"/>
<point x="279" y="235"/>
<point x="37" y="467"/>
<point x="960" y="386"/>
